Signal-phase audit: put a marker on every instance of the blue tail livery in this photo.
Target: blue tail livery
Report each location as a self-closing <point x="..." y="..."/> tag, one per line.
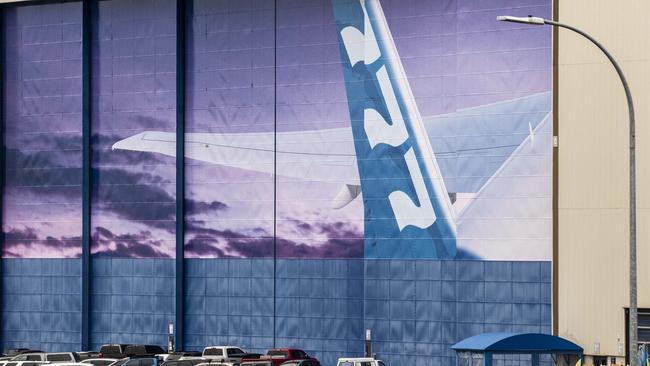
<point x="407" y="211"/>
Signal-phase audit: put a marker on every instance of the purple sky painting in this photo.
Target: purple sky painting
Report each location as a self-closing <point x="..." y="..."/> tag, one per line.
<point x="454" y="53"/>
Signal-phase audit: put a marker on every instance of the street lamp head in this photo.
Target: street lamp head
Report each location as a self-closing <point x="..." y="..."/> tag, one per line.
<point x="528" y="20"/>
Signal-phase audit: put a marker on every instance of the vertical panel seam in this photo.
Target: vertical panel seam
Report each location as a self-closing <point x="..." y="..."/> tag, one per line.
<point x="275" y="164"/>
<point x="180" y="177"/>
<point x="2" y="160"/>
<point x="86" y="171"/>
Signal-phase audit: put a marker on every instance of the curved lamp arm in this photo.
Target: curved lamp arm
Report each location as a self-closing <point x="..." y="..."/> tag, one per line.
<point x="630" y="106"/>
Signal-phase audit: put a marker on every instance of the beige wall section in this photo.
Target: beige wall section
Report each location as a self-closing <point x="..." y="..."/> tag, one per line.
<point x="593" y="169"/>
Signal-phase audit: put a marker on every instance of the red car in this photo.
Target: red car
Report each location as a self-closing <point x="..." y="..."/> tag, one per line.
<point x="277" y="356"/>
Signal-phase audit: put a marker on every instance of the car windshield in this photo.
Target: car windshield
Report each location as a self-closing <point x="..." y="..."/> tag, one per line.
<point x="110" y="349"/>
<point x="213" y="352"/>
<point x="57" y="357"/>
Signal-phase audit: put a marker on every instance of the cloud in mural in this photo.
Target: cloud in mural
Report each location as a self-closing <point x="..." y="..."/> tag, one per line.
<point x="140" y="245"/>
<point x="18" y="241"/>
<point x="342" y="241"/>
<point x="32" y="171"/>
<point x="46" y="174"/>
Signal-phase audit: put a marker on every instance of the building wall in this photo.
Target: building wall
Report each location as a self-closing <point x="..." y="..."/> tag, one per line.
<point x="132" y="300"/>
<point x="41" y="304"/>
<point x="593" y="170"/>
<point x="416" y="309"/>
<point x="281" y="249"/>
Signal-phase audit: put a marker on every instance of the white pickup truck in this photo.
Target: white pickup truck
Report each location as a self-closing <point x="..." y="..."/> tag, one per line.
<point x="359" y="361"/>
<point x="222" y="353"/>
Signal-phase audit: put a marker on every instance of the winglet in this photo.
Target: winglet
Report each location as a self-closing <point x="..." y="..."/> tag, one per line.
<point x="151" y="141"/>
<point x="346" y="195"/>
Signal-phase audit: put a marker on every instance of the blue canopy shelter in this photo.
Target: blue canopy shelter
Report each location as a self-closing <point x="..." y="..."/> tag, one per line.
<point x="482" y="347"/>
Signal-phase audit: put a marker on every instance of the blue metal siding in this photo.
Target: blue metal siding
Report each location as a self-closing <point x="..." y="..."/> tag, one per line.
<point x="229" y="301"/>
<point x="41" y="304"/>
<point x="433" y="304"/>
<point x="132" y="300"/>
<point x="416" y="309"/>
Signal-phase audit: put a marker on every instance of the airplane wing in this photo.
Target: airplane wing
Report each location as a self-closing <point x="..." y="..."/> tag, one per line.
<point x="322" y="155"/>
<point x="470" y="145"/>
<point x="473" y="143"/>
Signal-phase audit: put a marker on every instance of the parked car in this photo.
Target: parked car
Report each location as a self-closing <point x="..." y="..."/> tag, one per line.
<point x="277" y="356"/>
<point x="142" y="349"/>
<point x="62" y="357"/>
<point x="10" y="353"/>
<point x="99" y="361"/>
<point x="178" y="355"/>
<point x="183" y="362"/>
<point x="143" y="361"/>
<point x="223" y="353"/>
<point x="88" y="354"/>
<point x="262" y="361"/>
<point x="288" y="353"/>
<point x="26" y="363"/>
<point x="359" y="361"/>
<point x="29" y="356"/>
<point x="115" y="351"/>
<point x="218" y="363"/>
<point x="120" y="362"/>
<point x="309" y="362"/>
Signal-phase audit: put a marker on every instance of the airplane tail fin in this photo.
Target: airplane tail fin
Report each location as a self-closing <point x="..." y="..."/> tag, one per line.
<point x="408" y="212"/>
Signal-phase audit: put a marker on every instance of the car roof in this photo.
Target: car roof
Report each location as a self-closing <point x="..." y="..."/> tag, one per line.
<point x="356" y="359"/>
<point x="98" y="359"/>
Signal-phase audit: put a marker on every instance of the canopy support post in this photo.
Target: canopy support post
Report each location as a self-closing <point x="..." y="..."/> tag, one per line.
<point x="487" y="359"/>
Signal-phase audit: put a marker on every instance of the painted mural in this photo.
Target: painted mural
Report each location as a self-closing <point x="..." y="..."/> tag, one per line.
<point x="319" y="129"/>
<point x="42" y="113"/>
<point x="133" y="211"/>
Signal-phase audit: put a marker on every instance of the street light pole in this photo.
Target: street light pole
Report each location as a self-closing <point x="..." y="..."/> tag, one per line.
<point x="630" y="106"/>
